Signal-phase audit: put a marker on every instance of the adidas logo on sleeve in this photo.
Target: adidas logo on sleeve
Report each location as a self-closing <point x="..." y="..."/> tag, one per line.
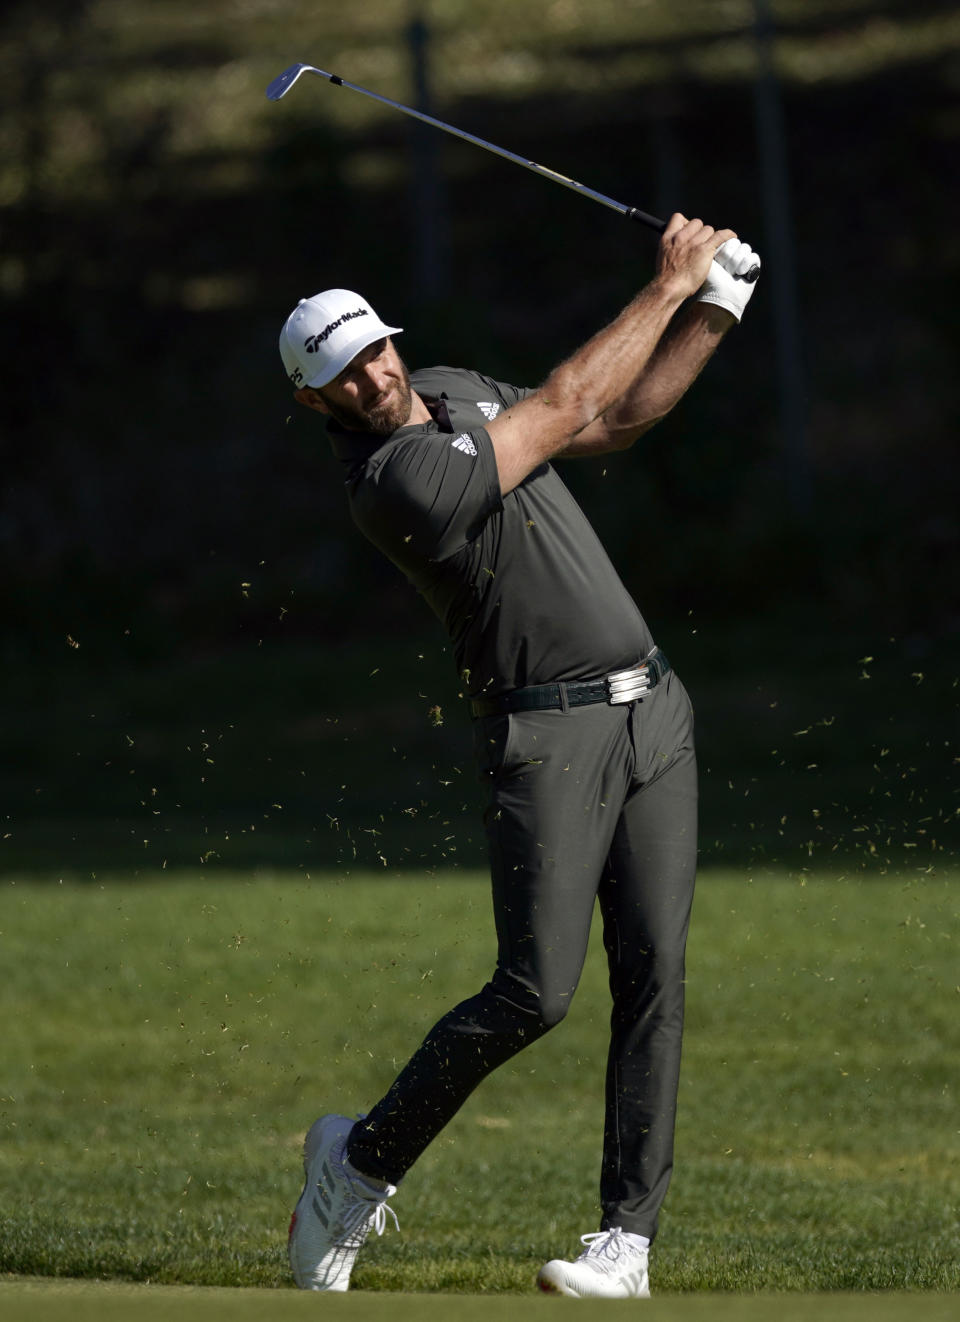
<point x="489" y="411"/>
<point x="465" y="443"/>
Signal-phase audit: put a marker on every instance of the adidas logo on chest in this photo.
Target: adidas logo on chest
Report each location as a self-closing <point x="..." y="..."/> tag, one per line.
<point x="488" y="410"/>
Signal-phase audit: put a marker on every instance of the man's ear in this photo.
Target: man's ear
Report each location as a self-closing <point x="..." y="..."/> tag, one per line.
<point x="310" y="398"/>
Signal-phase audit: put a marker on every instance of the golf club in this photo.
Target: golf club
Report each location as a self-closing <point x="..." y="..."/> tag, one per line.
<point x="282" y="84"/>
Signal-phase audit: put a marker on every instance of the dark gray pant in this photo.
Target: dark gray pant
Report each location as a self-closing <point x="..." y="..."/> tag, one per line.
<point x="594" y="801"/>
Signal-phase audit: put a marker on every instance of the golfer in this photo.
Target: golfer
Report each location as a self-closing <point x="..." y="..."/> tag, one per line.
<point x="583" y="731"/>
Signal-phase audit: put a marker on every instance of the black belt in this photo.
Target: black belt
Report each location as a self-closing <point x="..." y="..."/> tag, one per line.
<point x="621" y="686"/>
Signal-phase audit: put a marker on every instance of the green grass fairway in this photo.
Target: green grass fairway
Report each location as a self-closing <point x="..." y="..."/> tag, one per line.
<point x="167" y="1042"/>
<point x="25" y="1301"/>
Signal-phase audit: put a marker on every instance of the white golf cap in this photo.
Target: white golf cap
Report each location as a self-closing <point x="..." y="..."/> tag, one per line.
<point x="323" y="333"/>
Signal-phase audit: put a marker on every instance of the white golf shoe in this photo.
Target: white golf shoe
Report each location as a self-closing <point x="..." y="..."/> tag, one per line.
<point x="612" y="1266"/>
<point x="336" y="1211"/>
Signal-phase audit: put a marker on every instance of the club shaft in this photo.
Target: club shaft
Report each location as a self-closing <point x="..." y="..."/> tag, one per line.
<point x="632" y="213"/>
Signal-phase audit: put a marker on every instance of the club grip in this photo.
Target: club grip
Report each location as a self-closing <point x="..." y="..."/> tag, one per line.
<point x="644" y="217"/>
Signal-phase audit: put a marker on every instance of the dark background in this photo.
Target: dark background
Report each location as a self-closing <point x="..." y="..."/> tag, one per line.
<point x="203" y="661"/>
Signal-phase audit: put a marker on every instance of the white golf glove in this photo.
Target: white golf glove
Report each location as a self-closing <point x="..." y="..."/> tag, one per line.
<point x="723" y="285"/>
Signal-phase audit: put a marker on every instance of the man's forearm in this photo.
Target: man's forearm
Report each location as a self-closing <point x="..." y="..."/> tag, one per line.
<point x="675" y="364"/>
<point x="597" y="376"/>
<point x="569" y="407"/>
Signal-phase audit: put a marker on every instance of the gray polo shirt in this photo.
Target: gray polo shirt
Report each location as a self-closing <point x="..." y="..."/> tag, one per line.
<point x="520" y="582"/>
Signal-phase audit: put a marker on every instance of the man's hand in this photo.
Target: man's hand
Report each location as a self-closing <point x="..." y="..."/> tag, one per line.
<point x="687" y="249"/>
<point x="722" y="286"/>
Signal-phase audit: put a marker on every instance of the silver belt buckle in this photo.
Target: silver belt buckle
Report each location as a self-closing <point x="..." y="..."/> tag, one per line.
<point x="627" y="685"/>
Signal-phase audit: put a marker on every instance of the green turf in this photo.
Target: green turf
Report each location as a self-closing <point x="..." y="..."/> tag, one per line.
<point x="166" y="1043"/>
<point x="88" y="1302"/>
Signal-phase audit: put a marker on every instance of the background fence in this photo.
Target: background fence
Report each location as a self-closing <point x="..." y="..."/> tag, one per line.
<point x="193" y="633"/>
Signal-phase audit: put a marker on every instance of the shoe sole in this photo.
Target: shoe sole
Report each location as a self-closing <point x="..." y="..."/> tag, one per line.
<point x="550" y="1286"/>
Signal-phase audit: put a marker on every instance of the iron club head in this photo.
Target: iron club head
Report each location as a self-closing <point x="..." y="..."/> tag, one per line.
<point x="284" y="81"/>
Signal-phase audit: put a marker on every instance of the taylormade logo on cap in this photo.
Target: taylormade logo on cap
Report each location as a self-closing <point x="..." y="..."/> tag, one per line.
<point x="313" y="342"/>
<point x="324" y="333"/>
